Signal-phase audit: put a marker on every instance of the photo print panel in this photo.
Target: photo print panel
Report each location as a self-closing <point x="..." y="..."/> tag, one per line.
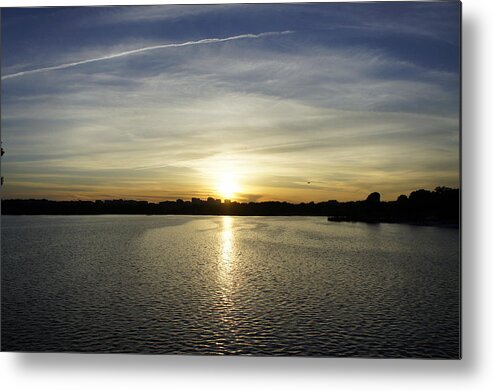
<point x="234" y="179"/>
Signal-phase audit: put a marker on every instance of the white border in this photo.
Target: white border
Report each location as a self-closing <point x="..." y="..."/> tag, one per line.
<point x="119" y="372"/>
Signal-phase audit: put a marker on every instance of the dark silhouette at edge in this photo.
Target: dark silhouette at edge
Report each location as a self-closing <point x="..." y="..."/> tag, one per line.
<point x="424" y="207"/>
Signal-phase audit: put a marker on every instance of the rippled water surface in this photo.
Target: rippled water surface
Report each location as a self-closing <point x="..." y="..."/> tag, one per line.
<point x="229" y="285"/>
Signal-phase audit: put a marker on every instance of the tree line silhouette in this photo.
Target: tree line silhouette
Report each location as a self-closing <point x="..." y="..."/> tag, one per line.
<point x="441" y="206"/>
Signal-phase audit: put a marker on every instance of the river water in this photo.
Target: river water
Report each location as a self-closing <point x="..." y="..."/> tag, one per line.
<point x="229" y="285"/>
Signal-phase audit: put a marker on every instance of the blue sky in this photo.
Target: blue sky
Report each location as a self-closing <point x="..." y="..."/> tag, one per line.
<point x="357" y="97"/>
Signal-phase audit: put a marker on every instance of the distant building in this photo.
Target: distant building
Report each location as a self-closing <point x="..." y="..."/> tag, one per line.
<point x="227" y="201"/>
<point x="196" y="200"/>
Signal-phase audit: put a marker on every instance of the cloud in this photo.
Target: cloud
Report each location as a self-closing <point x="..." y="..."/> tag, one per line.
<point x="153" y="13"/>
<point x="245" y="197"/>
<point x="141" y="50"/>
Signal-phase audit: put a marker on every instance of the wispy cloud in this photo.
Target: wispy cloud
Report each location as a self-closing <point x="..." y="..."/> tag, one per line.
<point x="144" y="49"/>
<point x="152" y="13"/>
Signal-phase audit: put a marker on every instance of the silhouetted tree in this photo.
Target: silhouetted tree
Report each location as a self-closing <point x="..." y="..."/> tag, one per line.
<point x="373" y="198"/>
<point x="421" y="197"/>
<point x="443" y="190"/>
<point x="402" y="199"/>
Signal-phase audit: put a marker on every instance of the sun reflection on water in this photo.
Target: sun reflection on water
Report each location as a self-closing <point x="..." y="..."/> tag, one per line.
<point x="227" y="280"/>
<point x="227" y="251"/>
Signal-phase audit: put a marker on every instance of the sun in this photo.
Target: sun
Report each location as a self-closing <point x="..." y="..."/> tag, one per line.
<point x="226" y="185"/>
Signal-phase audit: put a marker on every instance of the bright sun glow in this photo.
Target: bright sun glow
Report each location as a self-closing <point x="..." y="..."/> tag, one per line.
<point x="227" y="185"/>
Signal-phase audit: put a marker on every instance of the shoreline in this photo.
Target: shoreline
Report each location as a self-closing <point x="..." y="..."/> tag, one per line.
<point x="422" y="223"/>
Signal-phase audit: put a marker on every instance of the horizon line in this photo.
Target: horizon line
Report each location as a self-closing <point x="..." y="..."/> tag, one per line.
<point x="205" y="200"/>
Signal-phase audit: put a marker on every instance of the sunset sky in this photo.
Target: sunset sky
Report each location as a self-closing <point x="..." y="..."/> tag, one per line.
<point x="166" y="102"/>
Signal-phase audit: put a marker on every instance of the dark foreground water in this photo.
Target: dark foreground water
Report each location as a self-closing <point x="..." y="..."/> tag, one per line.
<point x="229" y="285"/>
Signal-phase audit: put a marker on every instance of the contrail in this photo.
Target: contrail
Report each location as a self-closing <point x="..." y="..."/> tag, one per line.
<point x="145" y="49"/>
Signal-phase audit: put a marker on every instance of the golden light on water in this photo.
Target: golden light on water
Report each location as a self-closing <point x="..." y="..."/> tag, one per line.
<point x="226" y="261"/>
<point x="227" y="251"/>
<point x="226" y="276"/>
